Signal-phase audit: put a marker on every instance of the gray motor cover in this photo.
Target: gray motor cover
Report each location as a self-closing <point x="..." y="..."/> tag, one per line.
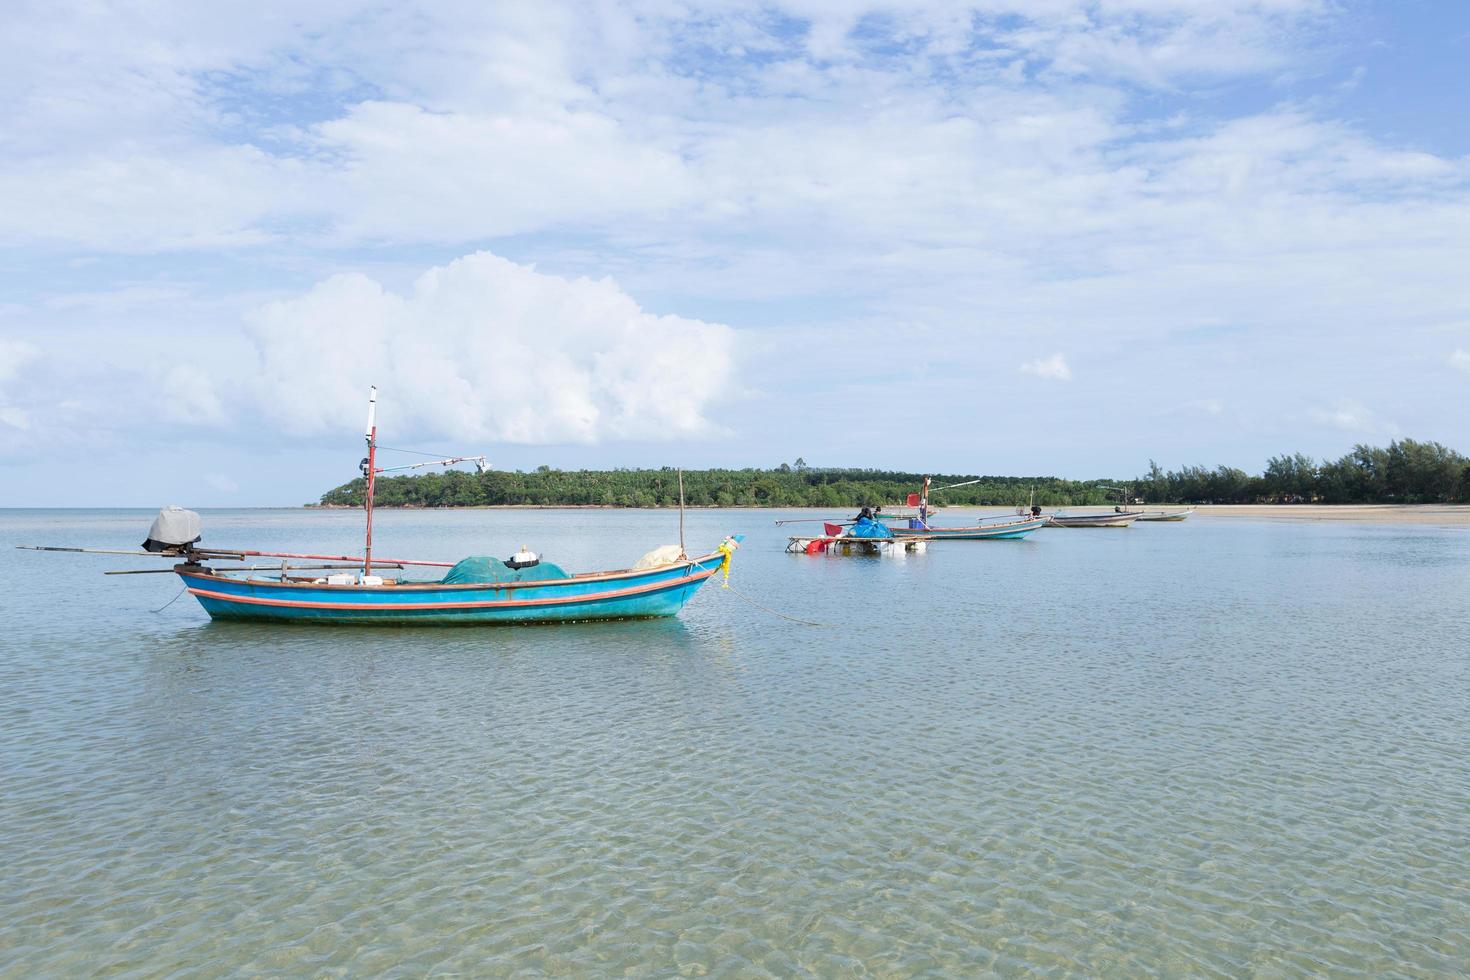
<point x="173" y="528"/>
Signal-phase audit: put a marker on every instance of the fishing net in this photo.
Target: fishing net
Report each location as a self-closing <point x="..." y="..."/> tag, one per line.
<point x="665" y="555"/>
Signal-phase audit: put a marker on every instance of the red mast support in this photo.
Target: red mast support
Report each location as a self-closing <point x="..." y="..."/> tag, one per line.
<point x="372" y="472"/>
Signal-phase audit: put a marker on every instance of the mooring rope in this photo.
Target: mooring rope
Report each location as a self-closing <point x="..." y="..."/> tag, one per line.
<point x="804" y="622"/>
<point x="172" y="601"/>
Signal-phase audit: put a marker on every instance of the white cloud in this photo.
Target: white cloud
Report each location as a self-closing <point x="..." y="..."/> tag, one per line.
<point x="1052" y="368"/>
<point x="485" y="349"/>
<point x="1209" y="406"/>
<point x="1351" y="416"/>
<point x="15" y="357"/>
<point x="131" y="200"/>
<point x="462" y="176"/>
<point x="188" y="396"/>
<point x="1460" y="359"/>
<point x="456" y="122"/>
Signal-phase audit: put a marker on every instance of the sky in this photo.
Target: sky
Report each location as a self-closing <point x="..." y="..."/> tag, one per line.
<point x="1026" y="237"/>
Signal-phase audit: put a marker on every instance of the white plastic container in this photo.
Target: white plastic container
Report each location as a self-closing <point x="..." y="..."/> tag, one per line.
<point x="370" y="580"/>
<point x="344" y="578"/>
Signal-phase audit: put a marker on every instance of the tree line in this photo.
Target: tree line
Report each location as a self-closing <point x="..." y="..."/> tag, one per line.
<point x="1404" y="472"/>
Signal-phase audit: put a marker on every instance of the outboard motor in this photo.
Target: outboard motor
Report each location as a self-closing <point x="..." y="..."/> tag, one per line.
<point x="174" y="529"/>
<point x="523" y="559"/>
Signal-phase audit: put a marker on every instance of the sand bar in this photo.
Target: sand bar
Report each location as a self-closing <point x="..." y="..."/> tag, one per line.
<point x="1443" y="515"/>
<point x="1437" y="515"/>
<point x="1430" y="515"/>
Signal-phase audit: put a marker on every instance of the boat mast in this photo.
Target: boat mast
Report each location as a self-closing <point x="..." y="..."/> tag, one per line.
<point x="682" y="555"/>
<point x="372" y="472"/>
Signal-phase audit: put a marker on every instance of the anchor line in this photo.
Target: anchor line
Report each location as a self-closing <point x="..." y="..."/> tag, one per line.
<point x="172" y="601"/>
<point x="804" y="622"/>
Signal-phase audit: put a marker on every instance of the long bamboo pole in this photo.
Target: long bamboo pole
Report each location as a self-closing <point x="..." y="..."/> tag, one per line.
<point x="226" y="554"/>
<point x="245" y="568"/>
<point x="359" y="559"/>
<point x="811" y="520"/>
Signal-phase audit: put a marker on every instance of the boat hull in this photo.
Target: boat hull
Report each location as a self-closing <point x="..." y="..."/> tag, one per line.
<point x="641" y="594"/>
<point x="1094" y="520"/>
<point x="1008" y="531"/>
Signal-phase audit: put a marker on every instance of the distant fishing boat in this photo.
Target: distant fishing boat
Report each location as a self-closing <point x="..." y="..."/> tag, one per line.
<point x="1115" y="519"/>
<point x="1002" y="530"/>
<point x="918" y="531"/>
<point x="478" y="590"/>
<point x="842" y="544"/>
<point x="1160" y="515"/>
<point x="866" y="535"/>
<point x="1010" y="529"/>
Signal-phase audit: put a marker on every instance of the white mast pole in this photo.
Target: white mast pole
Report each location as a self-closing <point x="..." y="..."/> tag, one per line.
<point x="682" y="553"/>
<point x="372" y="472"/>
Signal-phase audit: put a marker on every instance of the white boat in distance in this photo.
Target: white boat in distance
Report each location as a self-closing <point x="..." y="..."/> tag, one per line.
<point x="1165" y="515"/>
<point x="1115" y="519"/>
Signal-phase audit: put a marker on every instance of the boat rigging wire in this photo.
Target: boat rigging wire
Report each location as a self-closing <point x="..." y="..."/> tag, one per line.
<point x="953" y="485"/>
<point x="413" y="452"/>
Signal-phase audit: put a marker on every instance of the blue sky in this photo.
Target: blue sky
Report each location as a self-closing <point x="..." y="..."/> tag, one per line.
<point x="1051" y="236"/>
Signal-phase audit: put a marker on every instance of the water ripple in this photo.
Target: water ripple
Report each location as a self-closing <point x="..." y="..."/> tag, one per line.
<point x="1194" y="749"/>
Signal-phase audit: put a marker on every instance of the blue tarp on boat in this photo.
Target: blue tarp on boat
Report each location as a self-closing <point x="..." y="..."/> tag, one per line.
<point x="868" y="528"/>
<point x="485" y="569"/>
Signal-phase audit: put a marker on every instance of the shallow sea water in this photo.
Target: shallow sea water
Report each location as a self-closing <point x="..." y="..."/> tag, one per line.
<point x="1213" y="748"/>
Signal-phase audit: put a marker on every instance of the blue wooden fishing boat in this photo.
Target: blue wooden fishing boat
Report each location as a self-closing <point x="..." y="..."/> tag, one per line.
<point x="627" y="594"/>
<point x="478" y="590"/>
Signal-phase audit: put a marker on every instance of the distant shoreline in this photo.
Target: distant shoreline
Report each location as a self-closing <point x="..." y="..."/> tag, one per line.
<point x="1445" y="515"/>
<point x="1451" y="515"/>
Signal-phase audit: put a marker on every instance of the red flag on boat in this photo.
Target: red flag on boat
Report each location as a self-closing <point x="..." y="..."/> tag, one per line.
<point x="913" y="500"/>
<point x="832" y="530"/>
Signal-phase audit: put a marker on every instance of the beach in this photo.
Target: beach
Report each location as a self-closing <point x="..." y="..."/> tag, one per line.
<point x="1436" y="515"/>
<point x="1428" y="515"/>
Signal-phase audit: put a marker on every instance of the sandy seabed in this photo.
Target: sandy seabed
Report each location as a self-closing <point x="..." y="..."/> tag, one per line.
<point x="1444" y="515"/>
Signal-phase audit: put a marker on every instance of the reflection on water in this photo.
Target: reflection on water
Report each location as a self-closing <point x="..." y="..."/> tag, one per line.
<point x="1197" y="748"/>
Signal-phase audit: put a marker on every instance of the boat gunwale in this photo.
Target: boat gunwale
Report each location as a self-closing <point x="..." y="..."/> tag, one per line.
<point x="576" y="579"/>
